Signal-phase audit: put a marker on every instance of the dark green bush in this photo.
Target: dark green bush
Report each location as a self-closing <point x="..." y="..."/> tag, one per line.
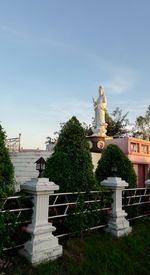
<point x="13" y="223"/>
<point x="148" y="176"/>
<point x="84" y="216"/>
<point x="6" y="168"/>
<point x="11" y="233"/>
<point x="70" y="166"/>
<point x="7" y="230"/>
<point x="113" y="155"/>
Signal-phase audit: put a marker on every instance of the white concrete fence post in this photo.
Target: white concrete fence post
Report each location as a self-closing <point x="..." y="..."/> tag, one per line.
<point x="117" y="225"/>
<point x="42" y="246"/>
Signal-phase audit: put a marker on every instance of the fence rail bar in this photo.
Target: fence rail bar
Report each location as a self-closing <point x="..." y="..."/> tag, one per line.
<point x="15" y="210"/>
<point x="13" y="247"/>
<point x="138" y="217"/>
<point x="78" y="193"/>
<point x="91" y="228"/>
<point x="72" y="203"/>
<point x="136" y="189"/>
<point x="136" y="196"/>
<point x="138" y="203"/>
<point x="86" y="211"/>
<point x="21" y="222"/>
<point x="16" y="197"/>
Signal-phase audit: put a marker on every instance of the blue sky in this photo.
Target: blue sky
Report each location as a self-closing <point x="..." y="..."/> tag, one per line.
<point x="54" y="54"/>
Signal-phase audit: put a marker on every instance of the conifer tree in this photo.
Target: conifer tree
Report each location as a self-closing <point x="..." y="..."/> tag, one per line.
<point x="6" y="167"/>
<point x="70" y="165"/>
<point x="113" y="156"/>
<point x="148" y="176"/>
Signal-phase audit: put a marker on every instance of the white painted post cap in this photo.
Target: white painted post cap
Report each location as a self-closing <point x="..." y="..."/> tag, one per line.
<point x="114" y="182"/>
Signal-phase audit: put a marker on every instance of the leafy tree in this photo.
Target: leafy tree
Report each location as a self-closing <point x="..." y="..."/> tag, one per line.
<point x="117" y="123"/>
<point x="142" y="126"/>
<point x="70" y="165"/>
<point x="50" y="142"/>
<point x="6" y="167"/>
<point x="113" y="156"/>
<point x="87" y="129"/>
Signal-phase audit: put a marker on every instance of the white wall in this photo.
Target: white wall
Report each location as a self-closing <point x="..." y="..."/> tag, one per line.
<point x="24" y="165"/>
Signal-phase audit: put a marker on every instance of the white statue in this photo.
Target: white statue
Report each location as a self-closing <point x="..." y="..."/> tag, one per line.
<point x="100" y="110"/>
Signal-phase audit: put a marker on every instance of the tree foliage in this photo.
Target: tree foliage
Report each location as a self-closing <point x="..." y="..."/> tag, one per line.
<point x="148" y="175"/>
<point x="113" y="156"/>
<point x="142" y="126"/>
<point x="117" y="123"/>
<point x="70" y="165"/>
<point x="6" y="167"/>
<point x="87" y="129"/>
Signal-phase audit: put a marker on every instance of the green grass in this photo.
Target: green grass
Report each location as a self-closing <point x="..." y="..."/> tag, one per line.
<point x="97" y="253"/>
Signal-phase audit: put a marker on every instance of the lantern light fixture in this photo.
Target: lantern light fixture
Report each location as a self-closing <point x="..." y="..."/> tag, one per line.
<point x="40" y="166"/>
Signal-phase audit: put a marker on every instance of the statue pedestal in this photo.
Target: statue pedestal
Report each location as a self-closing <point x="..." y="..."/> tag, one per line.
<point x="96" y="143"/>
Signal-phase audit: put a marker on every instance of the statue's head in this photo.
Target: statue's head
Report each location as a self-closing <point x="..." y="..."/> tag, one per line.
<point x="101" y="91"/>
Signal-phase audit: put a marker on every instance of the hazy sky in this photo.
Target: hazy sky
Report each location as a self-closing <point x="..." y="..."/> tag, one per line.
<point x="54" y="54"/>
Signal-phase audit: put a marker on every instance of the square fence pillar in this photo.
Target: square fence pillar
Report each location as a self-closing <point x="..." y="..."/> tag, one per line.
<point x="117" y="225"/>
<point x="43" y="246"/>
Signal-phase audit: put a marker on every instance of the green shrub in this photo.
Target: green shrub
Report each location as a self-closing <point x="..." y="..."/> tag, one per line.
<point x="6" y="168"/>
<point x="84" y="216"/>
<point x="148" y="176"/>
<point x="70" y="166"/>
<point x="13" y="223"/>
<point x="11" y="233"/>
<point x="111" y="156"/>
<point x="7" y="230"/>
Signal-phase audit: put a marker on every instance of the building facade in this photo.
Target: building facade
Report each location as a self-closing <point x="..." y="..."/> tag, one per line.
<point x="138" y="151"/>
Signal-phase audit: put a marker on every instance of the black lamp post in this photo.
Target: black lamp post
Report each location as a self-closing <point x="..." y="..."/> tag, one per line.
<point x="40" y="166"/>
<point x="114" y="170"/>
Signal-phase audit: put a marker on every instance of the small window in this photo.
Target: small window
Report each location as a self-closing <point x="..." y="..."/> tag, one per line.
<point x="134" y="147"/>
<point x="144" y="148"/>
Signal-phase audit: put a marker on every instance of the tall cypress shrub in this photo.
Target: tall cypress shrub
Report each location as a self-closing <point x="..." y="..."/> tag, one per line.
<point x="148" y="176"/>
<point x="70" y="165"/>
<point x="6" y="168"/>
<point x="113" y="156"/>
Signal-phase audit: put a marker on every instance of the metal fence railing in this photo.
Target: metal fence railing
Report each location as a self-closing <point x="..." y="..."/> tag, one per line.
<point x="15" y="215"/>
<point x="91" y="208"/>
<point x="19" y="206"/>
<point x="136" y="202"/>
<point x="63" y="206"/>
